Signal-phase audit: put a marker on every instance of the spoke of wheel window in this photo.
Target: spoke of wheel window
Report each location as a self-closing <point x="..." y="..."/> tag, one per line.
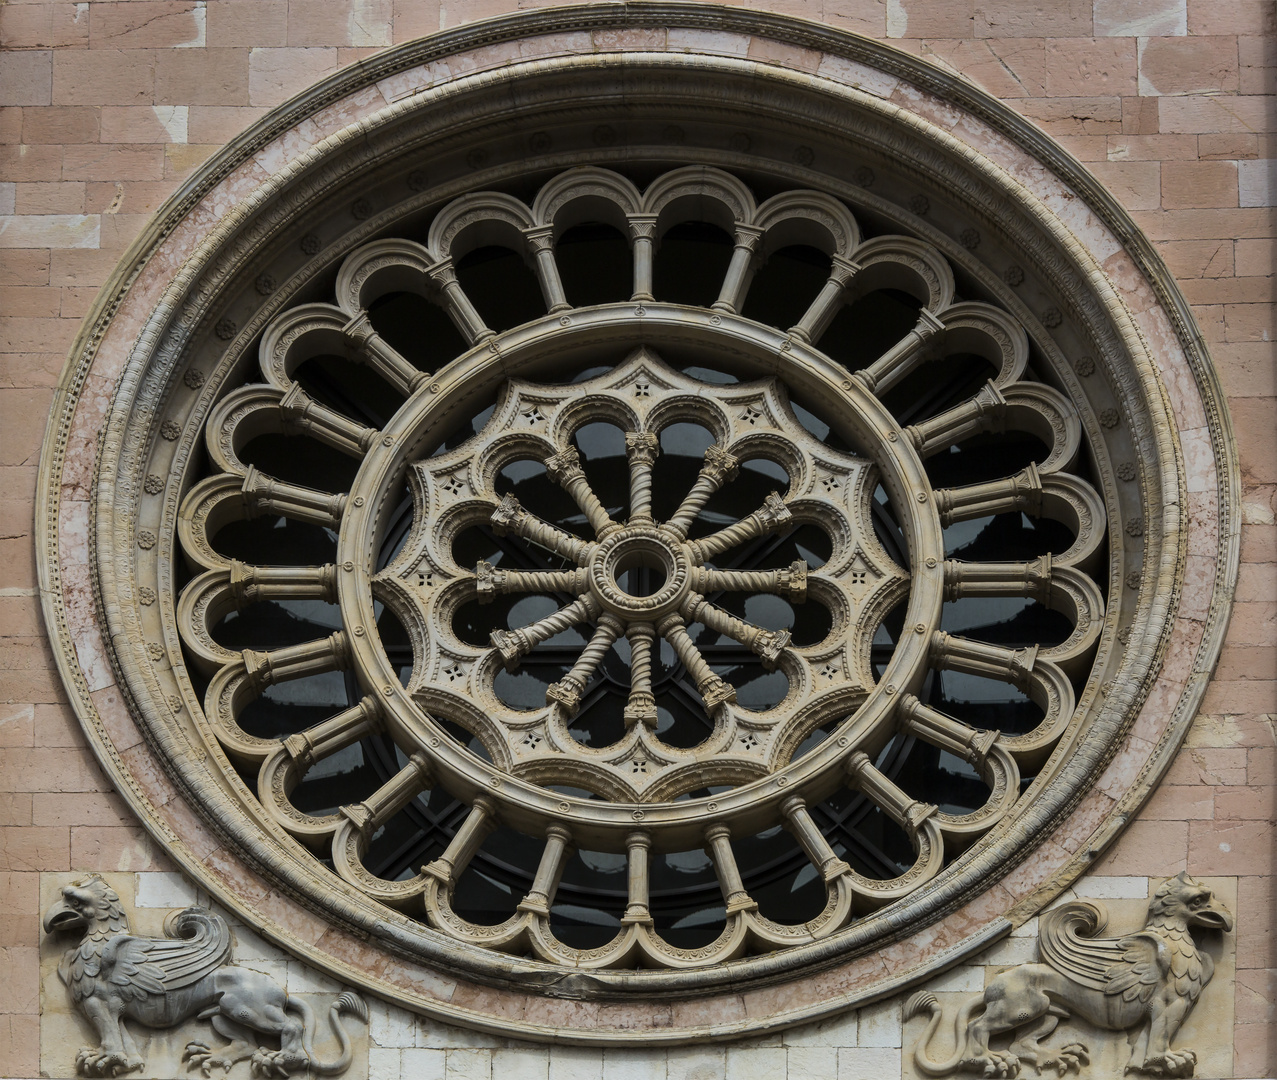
<point x="1027" y="579"/>
<point x="945" y="732"/>
<point x="491" y="581"/>
<point x="719" y="468"/>
<point x="820" y="314"/>
<point x="550" y="869"/>
<point x="641" y="707"/>
<point x="382" y="357"/>
<point x="481" y="820"/>
<point x="899" y="806"/>
<point x="303" y="414"/>
<point x="457" y="303"/>
<point x="955" y="653"/>
<point x="1023" y="492"/>
<point x="251" y="584"/>
<point x="729" y="879"/>
<point x="641" y="448"/>
<point x="986" y="411"/>
<point x="564" y="468"/>
<point x="568" y="690"/>
<point x="813" y="841"/>
<point x="772" y="515"/>
<point x="740" y="269"/>
<point x="768" y="644"/>
<point x="266" y="495"/>
<point x="713" y="690"/>
<point x="297" y="661"/>
<point x="541" y="241"/>
<point x="513" y="645"/>
<point x="791" y="582"/>
<point x="902" y="358"/>
<point x="638" y="846"/>
<point x="510" y="516"/>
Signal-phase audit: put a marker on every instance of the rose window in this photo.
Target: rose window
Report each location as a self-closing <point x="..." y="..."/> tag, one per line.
<point x="641" y="575"/>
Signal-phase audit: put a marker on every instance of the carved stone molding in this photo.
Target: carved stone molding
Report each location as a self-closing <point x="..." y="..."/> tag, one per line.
<point x="890" y="170"/>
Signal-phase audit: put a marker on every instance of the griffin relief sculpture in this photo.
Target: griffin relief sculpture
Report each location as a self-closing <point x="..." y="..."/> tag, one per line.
<point x="113" y="976"/>
<point x="1144" y="984"/>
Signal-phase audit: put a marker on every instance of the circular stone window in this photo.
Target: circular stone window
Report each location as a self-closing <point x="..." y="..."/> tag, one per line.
<point x="588" y="525"/>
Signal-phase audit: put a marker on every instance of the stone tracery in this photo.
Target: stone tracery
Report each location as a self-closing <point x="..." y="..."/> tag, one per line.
<point x="750" y="755"/>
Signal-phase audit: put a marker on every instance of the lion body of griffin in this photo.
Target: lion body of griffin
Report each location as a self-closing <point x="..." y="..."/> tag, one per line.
<point x="1148" y="981"/>
<point x="111" y="976"/>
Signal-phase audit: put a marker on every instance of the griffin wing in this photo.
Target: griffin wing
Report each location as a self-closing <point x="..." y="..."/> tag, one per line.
<point x="200" y="941"/>
<point x="1131" y="966"/>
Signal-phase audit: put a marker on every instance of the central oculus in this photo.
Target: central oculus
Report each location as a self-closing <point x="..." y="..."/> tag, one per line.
<point x="638" y="572"/>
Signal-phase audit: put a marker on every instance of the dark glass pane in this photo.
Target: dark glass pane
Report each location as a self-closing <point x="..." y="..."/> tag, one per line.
<point x="501" y="286"/>
<point x="785" y="286"/>
<point x="595" y="265"/>
<point x="421" y="332"/>
<point x="691" y="262"/>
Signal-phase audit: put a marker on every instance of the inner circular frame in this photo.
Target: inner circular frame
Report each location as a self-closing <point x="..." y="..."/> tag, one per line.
<point x="539" y="349"/>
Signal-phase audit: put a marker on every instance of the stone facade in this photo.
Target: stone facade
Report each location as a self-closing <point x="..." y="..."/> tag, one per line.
<point x="106" y="108"/>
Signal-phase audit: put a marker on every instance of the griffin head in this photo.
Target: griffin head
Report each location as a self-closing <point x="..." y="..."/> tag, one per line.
<point x="1184" y="899"/>
<point x="85" y="905"/>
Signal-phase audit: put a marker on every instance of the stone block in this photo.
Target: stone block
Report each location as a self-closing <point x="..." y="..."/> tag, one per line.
<point x="340" y="22"/>
<point x="868" y="1062"/>
<point x="1225" y="113"/>
<point x="26" y="78"/>
<point x="153" y="124"/>
<point x="880" y="1024"/>
<point x="60" y="124"/>
<point x="839" y="1030"/>
<point x="753" y="1062"/>
<point x="1188" y="65"/>
<point x="219" y="123"/>
<point x="105" y="77"/>
<point x="115" y="847"/>
<point x="1188" y="184"/>
<point x="166" y="890"/>
<point x="1198" y="258"/>
<point x="1026" y="18"/>
<point x="530" y="1061"/>
<point x="1141" y="18"/>
<point x="248" y="23"/>
<point x="468" y="1065"/>
<point x="50" y="231"/>
<point x="1256" y="182"/>
<point x="1135" y="183"/>
<point x="811" y="1061"/>
<point x="696" y="1063"/>
<point x="60" y="197"/>
<point x="1090" y="66"/>
<point x="20" y="1044"/>
<point x="1231" y="17"/>
<point x="47" y="26"/>
<point x="148" y="24"/>
<point x="424" y="1064"/>
<point x="35" y="848"/>
<point x="202" y="77"/>
<point x="940" y="19"/>
<point x="389" y="1025"/>
<point x="277" y="74"/>
<point x="576" y="1063"/>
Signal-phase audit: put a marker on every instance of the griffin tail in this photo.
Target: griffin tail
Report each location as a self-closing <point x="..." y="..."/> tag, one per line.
<point x="926" y="1001"/>
<point x="348" y="1004"/>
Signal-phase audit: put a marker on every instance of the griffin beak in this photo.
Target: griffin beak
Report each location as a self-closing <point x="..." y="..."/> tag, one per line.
<point x="61" y="916"/>
<point x="1216" y="916"/>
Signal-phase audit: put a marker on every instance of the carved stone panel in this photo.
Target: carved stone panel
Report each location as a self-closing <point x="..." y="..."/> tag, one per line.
<point x="163" y="992"/>
<point x="1165" y="998"/>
